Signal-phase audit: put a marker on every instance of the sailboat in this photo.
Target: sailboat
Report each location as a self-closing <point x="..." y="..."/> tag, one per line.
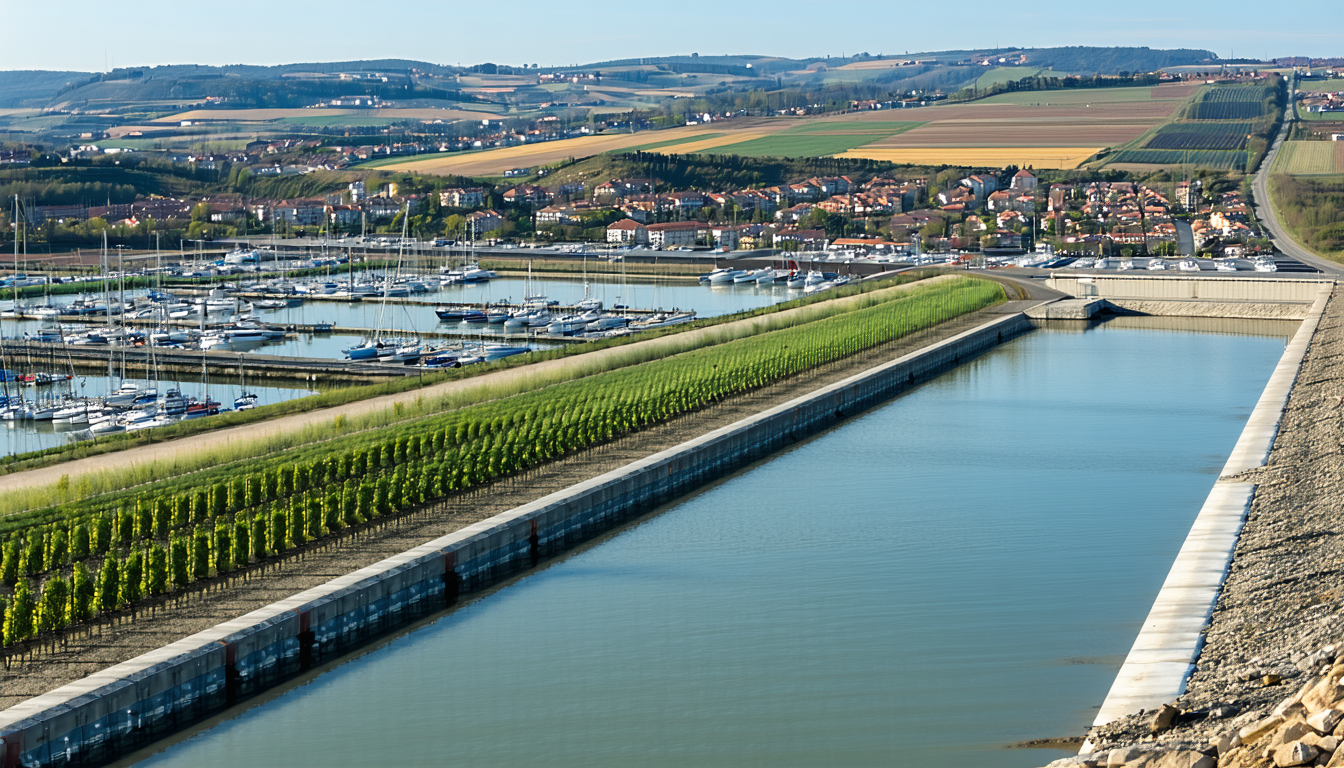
<point x="401" y="350"/>
<point x="245" y="401"/>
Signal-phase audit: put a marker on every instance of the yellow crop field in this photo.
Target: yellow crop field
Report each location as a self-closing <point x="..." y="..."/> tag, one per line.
<point x="496" y="161"/>
<point x="700" y="146"/>
<point x="1036" y="157"/>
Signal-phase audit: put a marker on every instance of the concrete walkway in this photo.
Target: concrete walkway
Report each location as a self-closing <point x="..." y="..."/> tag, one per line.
<point x="1164" y="653"/>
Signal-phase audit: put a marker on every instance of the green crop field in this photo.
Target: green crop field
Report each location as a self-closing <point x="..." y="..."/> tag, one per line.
<point x="807" y="141"/>
<point x="1006" y="75"/>
<point x="1321" y="86"/>
<point x="1310" y="158"/>
<point x="104" y="552"/>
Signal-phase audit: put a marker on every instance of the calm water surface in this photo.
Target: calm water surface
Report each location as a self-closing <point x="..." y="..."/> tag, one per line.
<point x="959" y="569"/>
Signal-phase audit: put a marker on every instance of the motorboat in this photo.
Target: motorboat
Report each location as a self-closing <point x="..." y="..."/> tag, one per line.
<point x="708" y="277"/>
<point x="569" y="324"/>
<point x="1156" y="265"/>
<point x="1188" y="265"/>
<point x="1225" y="265"/>
<point x="493" y="352"/>
<point x="725" y="276"/>
<point x="172" y="403"/>
<point x="1265" y="264"/>
<point x="796" y="280"/>
<point x="130" y="394"/>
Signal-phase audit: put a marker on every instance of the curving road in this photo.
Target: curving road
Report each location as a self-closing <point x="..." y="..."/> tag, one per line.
<point x="1264" y="210"/>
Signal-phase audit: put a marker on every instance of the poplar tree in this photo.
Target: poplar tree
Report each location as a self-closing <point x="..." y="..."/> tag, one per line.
<point x="20" y="622"/>
<point x="109" y="586"/>
<point x="81" y="595"/>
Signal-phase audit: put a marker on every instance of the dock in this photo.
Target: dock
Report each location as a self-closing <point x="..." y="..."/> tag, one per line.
<point x="217" y="363"/>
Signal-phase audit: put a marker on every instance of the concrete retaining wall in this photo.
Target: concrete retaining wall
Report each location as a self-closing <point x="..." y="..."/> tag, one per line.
<point x="1164" y="653"/>
<point x="106" y="715"/>
<point x="1186" y="287"/>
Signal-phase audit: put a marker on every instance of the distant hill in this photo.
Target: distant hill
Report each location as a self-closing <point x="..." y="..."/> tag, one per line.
<point x="304" y="83"/>
<point x="1083" y="60"/>
<point x="21" y="88"/>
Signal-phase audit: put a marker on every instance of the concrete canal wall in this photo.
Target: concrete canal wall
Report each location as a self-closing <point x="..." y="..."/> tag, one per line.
<point x="109" y="714"/>
<point x="1189" y="288"/>
<point x="1164" y="653"/>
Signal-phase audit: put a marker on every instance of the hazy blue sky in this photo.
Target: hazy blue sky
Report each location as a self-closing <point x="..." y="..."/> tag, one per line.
<point x="81" y="35"/>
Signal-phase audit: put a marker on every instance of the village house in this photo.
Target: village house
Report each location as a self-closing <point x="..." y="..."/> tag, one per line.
<point x="484" y="222"/>
<point x="469" y="197"/>
<point x="627" y="232"/>
<point x="674" y="233"/>
<point x="526" y="195"/>
<point x="1023" y="181"/>
<point x="619" y="188"/>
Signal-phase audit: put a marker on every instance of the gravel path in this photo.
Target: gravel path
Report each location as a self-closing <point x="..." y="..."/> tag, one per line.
<point x="1284" y="593"/>
<point x="168" y="452"/>
<point x="116" y="641"/>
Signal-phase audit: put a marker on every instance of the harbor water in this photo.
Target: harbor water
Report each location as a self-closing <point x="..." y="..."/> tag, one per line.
<point x="956" y="571"/>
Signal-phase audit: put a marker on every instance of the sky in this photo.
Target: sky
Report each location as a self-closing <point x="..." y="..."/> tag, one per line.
<point x="87" y="36"/>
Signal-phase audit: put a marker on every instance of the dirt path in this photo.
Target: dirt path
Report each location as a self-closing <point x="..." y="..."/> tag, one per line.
<point x="265" y="583"/>
<point x="168" y="452"/>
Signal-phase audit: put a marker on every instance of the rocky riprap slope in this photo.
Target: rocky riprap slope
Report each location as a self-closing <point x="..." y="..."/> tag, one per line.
<point x="1278" y="611"/>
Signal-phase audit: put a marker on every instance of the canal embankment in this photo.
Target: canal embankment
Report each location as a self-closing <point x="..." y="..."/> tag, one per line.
<point x="110" y="712"/>
<point x="1271" y="634"/>
<point x="123" y="637"/>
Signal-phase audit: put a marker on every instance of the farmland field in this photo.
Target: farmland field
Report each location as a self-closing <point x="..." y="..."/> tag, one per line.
<point x="1005" y="75"/>
<point x="1082" y="96"/>
<point x="1310" y="158"/>
<point x="498" y="160"/>
<point x="817" y="139"/>
<point x="671" y="142"/>
<point x="264" y="115"/>
<point x="1243" y="101"/>
<point x="1035" y="157"/>
<point x="1232" y="160"/>
<point x="1321" y="86"/>
<point x="1201" y="135"/>
<point x="992" y="131"/>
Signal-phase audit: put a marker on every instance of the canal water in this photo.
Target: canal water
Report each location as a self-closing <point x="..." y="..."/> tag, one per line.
<point x="960" y="569"/>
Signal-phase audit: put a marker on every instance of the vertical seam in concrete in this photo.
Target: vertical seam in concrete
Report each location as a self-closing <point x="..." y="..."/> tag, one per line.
<point x="1164" y="653"/>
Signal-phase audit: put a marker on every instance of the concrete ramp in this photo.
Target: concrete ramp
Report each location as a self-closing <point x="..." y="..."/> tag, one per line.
<point x="1067" y="309"/>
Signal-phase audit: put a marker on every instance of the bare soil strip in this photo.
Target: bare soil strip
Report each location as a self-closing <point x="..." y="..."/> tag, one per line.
<point x="115" y="640"/>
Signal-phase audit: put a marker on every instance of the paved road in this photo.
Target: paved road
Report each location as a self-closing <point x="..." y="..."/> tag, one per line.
<point x="1265" y="212"/>
<point x="1021" y="287"/>
<point x="1185" y="236"/>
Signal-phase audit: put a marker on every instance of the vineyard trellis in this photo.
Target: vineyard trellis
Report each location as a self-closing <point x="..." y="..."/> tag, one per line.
<point x="78" y="560"/>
